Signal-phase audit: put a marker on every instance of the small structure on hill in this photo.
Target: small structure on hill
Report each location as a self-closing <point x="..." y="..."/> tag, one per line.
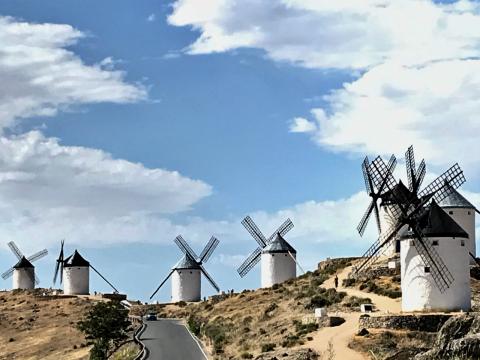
<point x="278" y="257"/>
<point x="186" y="273"/>
<point x="433" y="252"/>
<point x="23" y="271"/>
<point x="75" y="273"/>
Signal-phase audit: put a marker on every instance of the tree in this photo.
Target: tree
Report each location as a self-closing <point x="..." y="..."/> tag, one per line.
<point x="105" y="327"/>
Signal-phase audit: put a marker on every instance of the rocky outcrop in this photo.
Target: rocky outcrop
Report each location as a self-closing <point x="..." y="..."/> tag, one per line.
<point x="420" y="322"/>
<point x="459" y="338"/>
<point x="301" y="354"/>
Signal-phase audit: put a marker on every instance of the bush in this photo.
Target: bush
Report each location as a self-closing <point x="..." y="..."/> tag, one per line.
<point x="349" y="282"/>
<point x="181" y="303"/>
<point x="290" y="340"/>
<point x="326" y="297"/>
<point x="194" y="325"/>
<point x="246" y="355"/>
<point x="355" y="301"/>
<point x="268" y="347"/>
<point x="270" y="308"/>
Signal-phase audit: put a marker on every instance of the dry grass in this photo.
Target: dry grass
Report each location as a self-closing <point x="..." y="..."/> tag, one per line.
<point x="41" y="327"/>
<point x="384" y="343"/>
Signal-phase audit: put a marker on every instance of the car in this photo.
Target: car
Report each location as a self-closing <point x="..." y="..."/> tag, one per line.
<point x="151" y="317"/>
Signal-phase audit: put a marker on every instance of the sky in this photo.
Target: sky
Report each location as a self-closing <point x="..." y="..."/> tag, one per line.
<point x="124" y="124"/>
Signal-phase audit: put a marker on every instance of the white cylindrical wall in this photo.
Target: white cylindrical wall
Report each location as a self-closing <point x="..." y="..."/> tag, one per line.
<point x="419" y="291"/>
<point x="186" y="285"/>
<point x="24" y="278"/>
<point x="277" y="268"/>
<point x="387" y="220"/>
<point x="466" y="219"/>
<point x="76" y="280"/>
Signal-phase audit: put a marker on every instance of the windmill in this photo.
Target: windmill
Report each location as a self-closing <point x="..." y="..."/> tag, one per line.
<point x="277" y="255"/>
<point x="421" y="225"/>
<point x="23" y="272"/>
<point x="186" y="273"/>
<point x="75" y="270"/>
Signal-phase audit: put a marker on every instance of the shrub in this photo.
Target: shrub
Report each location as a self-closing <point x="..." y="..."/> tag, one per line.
<point x="270" y="308"/>
<point x="348" y="282"/>
<point x="268" y="347"/>
<point x="246" y="355"/>
<point x="194" y="325"/>
<point x="181" y="303"/>
<point x="290" y="340"/>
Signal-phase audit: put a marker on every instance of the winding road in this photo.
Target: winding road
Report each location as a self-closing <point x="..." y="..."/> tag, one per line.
<point x="169" y="339"/>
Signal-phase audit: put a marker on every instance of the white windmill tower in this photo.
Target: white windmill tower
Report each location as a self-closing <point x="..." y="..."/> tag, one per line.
<point x="23" y="272"/>
<point x="434" y="258"/>
<point x="278" y="257"/>
<point x="186" y="274"/>
<point x="75" y="273"/>
<point x="463" y="212"/>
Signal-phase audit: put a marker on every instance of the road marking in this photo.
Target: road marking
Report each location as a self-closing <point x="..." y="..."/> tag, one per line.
<point x="196" y="340"/>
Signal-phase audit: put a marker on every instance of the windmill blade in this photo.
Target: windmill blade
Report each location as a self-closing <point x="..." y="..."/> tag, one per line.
<point x="282" y="230"/>
<point x="8" y="273"/>
<point x="411" y="169"/>
<point x="38" y="255"/>
<point x="382" y="174"/>
<point x="185" y="248"/>
<point x="36" y="280"/>
<point x="253" y="229"/>
<point x="366" y="176"/>
<point x="15" y="250"/>
<point x="296" y="262"/>
<point x="209" y="249"/>
<point x="377" y="218"/>
<point x="249" y="262"/>
<point x="420" y="175"/>
<point x="441" y="275"/>
<point x="161" y="284"/>
<point x="209" y="278"/>
<point x="442" y="186"/>
<point x="362" y="225"/>
<point x="103" y="277"/>
<point x="57" y="267"/>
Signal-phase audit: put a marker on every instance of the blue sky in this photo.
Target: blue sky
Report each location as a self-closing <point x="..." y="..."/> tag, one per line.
<point x="233" y="99"/>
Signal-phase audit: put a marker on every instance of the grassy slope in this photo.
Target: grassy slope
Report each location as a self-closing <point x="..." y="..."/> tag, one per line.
<point x="36" y="327"/>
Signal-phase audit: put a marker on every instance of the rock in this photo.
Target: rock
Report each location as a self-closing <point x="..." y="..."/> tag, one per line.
<point x="459" y="338"/>
<point x="363" y="332"/>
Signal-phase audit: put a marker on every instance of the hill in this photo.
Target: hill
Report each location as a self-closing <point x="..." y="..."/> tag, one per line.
<point x="35" y="326"/>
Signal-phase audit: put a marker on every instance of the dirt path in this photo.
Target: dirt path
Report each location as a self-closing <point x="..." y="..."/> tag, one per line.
<point x="341" y="335"/>
<point x="382" y="303"/>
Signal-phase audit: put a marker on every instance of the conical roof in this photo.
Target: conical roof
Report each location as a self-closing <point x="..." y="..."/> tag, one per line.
<point x="400" y="193"/>
<point x="435" y="222"/>
<point x="23" y="263"/>
<point x="279" y="245"/>
<point x="455" y="200"/>
<point x="75" y="260"/>
<point x="186" y="262"/>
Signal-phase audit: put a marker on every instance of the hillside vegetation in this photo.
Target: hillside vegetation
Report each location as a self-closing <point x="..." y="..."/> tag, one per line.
<point x="34" y="326"/>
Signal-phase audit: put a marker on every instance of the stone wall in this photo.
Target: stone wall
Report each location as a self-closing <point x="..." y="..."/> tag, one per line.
<point x="418" y="322"/>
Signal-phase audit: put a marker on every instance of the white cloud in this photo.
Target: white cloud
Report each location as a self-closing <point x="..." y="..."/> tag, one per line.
<point x="152" y="17"/>
<point x="302" y="125"/>
<point x="40" y="76"/>
<point x="50" y="191"/>
<point x="334" y="34"/>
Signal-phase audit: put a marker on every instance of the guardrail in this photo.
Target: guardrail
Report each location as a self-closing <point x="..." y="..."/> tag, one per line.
<point x="143" y="354"/>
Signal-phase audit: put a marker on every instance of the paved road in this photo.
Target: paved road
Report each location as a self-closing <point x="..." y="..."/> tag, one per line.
<point x="170" y="340"/>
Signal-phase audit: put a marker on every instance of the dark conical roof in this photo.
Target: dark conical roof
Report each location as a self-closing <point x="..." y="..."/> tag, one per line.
<point x="455" y="200"/>
<point x="400" y="193"/>
<point x="186" y="262"/>
<point x="75" y="260"/>
<point x="435" y="222"/>
<point x="23" y="263"/>
<point x="279" y="245"/>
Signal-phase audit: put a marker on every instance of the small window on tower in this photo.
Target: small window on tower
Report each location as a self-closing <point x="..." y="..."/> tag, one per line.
<point x="191" y="272"/>
<point x="462" y="242"/>
<point x="435" y="242"/>
<point x="285" y="254"/>
<point x="469" y="213"/>
<point x="427" y="269"/>
<point x="450" y="212"/>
